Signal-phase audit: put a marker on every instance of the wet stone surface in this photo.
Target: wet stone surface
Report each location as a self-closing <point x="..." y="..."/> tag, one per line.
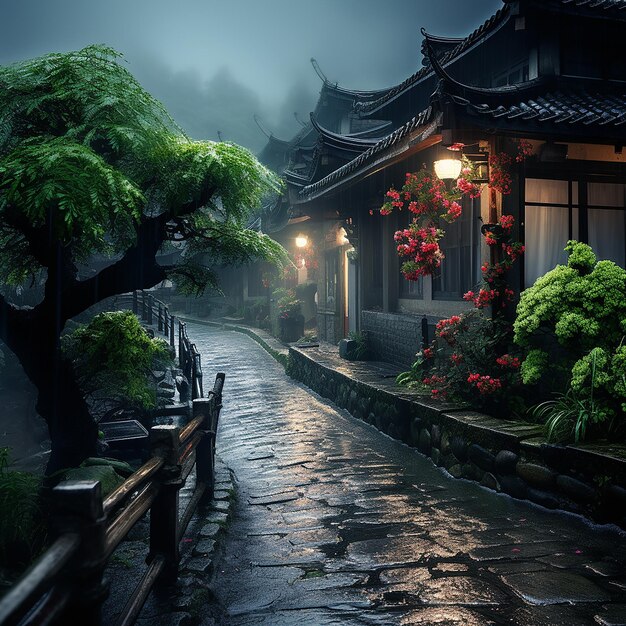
<point x="335" y="523"/>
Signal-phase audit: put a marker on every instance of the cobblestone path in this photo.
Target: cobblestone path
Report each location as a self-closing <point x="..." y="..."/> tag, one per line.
<point x="335" y="523"/>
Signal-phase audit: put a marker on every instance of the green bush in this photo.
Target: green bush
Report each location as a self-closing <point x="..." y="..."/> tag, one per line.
<point x="571" y="325"/>
<point x="22" y="530"/>
<point x="114" y="359"/>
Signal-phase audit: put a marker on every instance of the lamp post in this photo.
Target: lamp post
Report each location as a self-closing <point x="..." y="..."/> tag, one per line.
<point x="448" y="169"/>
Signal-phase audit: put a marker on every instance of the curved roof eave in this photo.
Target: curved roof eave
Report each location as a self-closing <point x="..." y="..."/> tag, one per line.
<point x="487" y="29"/>
<point x="417" y="130"/>
<point x="346" y="142"/>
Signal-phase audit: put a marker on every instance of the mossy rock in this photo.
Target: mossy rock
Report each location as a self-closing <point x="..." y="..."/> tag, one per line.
<point x="121" y="467"/>
<point x="109" y="479"/>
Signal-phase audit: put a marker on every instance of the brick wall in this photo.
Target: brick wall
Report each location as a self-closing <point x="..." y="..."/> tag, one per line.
<point x="395" y="338"/>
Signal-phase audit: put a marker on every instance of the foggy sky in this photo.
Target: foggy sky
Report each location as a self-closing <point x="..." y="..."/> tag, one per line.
<point x="215" y="63"/>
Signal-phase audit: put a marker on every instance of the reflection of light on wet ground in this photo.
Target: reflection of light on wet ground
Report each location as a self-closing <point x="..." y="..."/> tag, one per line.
<point x="338" y="524"/>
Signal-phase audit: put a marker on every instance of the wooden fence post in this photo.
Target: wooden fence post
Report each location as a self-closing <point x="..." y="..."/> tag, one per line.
<point x="164" y="442"/>
<point x="135" y="303"/>
<point x="181" y="349"/>
<point x="160" y="318"/>
<point x="196" y="373"/>
<point x="172" y="331"/>
<point x="205" y="459"/>
<point x="77" y="507"/>
<point x="144" y="311"/>
<point x="150" y="304"/>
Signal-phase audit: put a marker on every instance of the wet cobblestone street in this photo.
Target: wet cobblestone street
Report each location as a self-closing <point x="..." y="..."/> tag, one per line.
<point x="336" y="523"/>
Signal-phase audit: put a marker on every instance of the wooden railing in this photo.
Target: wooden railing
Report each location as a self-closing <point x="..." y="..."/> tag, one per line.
<point x="190" y="361"/>
<point x="65" y="585"/>
<point x="150" y="309"/>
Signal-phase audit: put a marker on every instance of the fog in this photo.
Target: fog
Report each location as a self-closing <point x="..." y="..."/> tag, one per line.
<point x="215" y="64"/>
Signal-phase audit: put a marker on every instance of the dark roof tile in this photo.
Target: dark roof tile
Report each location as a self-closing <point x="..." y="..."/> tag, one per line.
<point x="419" y="120"/>
<point x="559" y="107"/>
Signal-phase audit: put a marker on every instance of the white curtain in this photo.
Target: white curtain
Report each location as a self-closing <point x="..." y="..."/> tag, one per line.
<point x="546" y="227"/>
<point x="606" y="226"/>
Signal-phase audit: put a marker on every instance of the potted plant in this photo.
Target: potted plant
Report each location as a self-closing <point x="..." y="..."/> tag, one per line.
<point x="290" y="318"/>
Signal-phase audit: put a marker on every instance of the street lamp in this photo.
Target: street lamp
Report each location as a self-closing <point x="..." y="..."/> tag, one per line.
<point x="302" y="241"/>
<point x="448" y="169"/>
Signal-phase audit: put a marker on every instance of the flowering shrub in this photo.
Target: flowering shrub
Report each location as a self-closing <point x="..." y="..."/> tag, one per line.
<point x="499" y="172"/>
<point x="288" y="305"/>
<point x="469" y="361"/>
<point x="471" y="357"/>
<point x="494" y="287"/>
<point x="571" y="325"/>
<point x="427" y="197"/>
<point x="419" y="245"/>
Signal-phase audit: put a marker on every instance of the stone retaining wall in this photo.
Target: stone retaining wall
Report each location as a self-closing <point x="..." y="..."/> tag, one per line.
<point x="512" y="457"/>
<point x="393" y="337"/>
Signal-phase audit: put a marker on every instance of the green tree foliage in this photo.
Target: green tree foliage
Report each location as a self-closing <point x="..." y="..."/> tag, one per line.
<point x="572" y="324"/>
<point x="90" y="163"/>
<point x="86" y="153"/>
<point x="115" y="359"/>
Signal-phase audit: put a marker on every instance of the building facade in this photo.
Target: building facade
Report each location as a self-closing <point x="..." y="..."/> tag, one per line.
<point x="547" y="72"/>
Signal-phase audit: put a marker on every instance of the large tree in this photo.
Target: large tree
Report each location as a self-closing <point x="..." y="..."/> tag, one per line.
<point x="91" y="164"/>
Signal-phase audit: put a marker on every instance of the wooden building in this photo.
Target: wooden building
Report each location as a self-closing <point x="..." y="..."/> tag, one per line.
<point x="551" y="72"/>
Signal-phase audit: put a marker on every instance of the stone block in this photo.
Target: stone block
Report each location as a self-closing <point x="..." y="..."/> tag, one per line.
<point x="459" y="448"/>
<point x="514" y="486"/>
<point x="506" y="462"/>
<point x="471" y="471"/>
<point x="549" y="500"/>
<point x="435" y="456"/>
<point x="445" y="447"/>
<point x="490" y="481"/>
<point x="536" y="475"/>
<point x="424" y="441"/>
<point x="481" y="457"/>
<point x="456" y="471"/>
<point x="415" y="430"/>
<point x="435" y="435"/>
<point x="575" y="489"/>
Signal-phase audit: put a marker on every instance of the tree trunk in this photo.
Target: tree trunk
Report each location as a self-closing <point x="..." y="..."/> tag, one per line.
<point x="73" y="432"/>
<point x="34" y="336"/>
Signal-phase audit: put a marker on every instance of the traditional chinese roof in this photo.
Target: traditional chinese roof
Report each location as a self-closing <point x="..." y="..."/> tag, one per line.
<point x="596" y="8"/>
<point x="422" y="125"/>
<point x="342" y="92"/>
<point x="274" y="154"/>
<point x="575" y="113"/>
<point x="492" y="25"/>
<point x="349" y="142"/>
<point x="557" y="105"/>
<point x="441" y="45"/>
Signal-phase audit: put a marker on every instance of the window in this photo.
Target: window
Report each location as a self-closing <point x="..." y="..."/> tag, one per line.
<point x="559" y="210"/>
<point x="605" y="220"/>
<point x="411" y="289"/>
<point x="517" y="74"/>
<point x="460" y="268"/>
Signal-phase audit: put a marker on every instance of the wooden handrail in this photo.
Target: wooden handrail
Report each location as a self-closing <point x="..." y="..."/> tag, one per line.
<point x="65" y="583"/>
<point x="118" y="527"/>
<point x="18" y="600"/>
<point x="132" y="483"/>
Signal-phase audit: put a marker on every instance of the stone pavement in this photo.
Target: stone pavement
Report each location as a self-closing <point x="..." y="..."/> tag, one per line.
<point x="336" y="523"/>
